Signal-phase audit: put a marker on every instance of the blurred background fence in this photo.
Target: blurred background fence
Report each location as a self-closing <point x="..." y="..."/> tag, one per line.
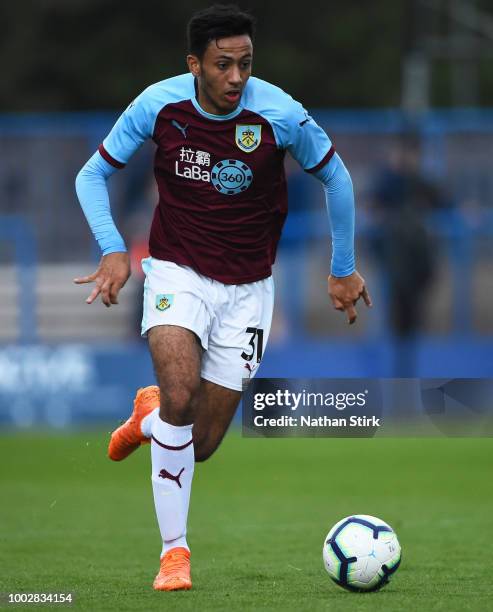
<point x="422" y="178"/>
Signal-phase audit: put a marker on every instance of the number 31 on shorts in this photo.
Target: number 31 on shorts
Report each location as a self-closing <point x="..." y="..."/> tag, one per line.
<point x="257" y="344"/>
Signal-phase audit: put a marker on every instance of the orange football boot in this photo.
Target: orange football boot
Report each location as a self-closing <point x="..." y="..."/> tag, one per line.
<point x="174" y="573"/>
<point x="128" y="437"/>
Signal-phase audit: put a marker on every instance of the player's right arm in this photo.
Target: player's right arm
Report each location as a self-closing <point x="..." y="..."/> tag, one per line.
<point x="311" y="147"/>
<point x="133" y="127"/>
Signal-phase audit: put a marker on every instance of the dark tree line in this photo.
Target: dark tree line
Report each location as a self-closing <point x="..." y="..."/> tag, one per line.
<point x="97" y="54"/>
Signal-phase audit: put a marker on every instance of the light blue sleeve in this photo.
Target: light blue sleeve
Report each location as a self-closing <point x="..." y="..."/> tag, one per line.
<point x="92" y="192"/>
<point x="307" y="141"/>
<point x="134" y="126"/>
<point x="339" y="198"/>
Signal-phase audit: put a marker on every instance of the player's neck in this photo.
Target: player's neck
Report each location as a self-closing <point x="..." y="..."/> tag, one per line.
<point x="208" y="106"/>
<point x="206" y="103"/>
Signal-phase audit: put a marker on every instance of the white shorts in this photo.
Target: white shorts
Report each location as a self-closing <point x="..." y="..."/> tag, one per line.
<point x="232" y="322"/>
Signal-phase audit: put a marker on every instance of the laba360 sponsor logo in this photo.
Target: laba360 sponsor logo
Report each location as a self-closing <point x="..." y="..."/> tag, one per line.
<point x="229" y="176"/>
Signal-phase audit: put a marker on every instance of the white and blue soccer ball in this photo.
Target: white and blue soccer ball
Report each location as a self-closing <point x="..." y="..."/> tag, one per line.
<point x="361" y="553"/>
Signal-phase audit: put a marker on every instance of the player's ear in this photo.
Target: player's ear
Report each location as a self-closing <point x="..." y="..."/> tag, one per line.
<point x="193" y="65"/>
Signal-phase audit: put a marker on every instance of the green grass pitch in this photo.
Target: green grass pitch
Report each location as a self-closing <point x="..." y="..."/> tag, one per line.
<point x="72" y="520"/>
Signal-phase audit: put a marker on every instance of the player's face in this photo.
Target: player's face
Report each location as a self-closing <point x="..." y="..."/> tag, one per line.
<point x="222" y="73"/>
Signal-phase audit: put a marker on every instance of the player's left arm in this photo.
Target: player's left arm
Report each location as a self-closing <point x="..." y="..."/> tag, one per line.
<point x="345" y="285"/>
<point x="311" y="147"/>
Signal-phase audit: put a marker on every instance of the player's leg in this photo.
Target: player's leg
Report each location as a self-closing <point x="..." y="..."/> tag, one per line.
<point x="235" y="349"/>
<point x="236" y="345"/>
<point x="216" y="408"/>
<point x="183" y="304"/>
<point x="176" y="319"/>
<point x="176" y="353"/>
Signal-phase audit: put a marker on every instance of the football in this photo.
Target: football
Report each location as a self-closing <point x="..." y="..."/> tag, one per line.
<point x="361" y="553"/>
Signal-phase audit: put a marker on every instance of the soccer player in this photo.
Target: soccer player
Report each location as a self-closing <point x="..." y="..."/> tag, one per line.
<point x="221" y="138"/>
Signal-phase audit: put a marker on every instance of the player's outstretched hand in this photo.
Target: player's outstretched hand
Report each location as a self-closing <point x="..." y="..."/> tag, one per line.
<point x="345" y="291"/>
<point x="109" y="278"/>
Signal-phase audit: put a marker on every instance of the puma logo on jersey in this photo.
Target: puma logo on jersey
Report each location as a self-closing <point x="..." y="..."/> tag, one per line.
<point x="183" y="130"/>
<point x="305" y="120"/>
<point x="165" y="474"/>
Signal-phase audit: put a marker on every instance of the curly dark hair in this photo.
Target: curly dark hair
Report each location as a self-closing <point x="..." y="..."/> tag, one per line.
<point x="218" y="21"/>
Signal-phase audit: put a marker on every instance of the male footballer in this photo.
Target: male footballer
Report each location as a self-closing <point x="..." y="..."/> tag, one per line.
<point x="221" y="136"/>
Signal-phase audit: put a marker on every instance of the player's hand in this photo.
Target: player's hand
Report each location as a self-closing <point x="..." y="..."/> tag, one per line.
<point x="345" y="291"/>
<point x="112" y="273"/>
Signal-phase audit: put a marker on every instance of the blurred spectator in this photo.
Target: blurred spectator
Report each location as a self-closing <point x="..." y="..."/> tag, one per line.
<point x="402" y="199"/>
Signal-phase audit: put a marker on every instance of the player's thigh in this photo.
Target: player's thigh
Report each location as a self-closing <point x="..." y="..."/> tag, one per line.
<point x="175" y="295"/>
<point x="177" y="320"/>
<point x="239" y="335"/>
<point x="216" y="408"/>
<point x="177" y="357"/>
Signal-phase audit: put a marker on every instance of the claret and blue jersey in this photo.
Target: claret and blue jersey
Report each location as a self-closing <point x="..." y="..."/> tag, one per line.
<point x="221" y="182"/>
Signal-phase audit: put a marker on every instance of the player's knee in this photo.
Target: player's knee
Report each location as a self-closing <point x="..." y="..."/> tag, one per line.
<point x="178" y="404"/>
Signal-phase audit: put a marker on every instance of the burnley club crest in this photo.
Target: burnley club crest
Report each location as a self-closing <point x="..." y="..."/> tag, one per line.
<point x="248" y="137"/>
<point x="164" y="301"/>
